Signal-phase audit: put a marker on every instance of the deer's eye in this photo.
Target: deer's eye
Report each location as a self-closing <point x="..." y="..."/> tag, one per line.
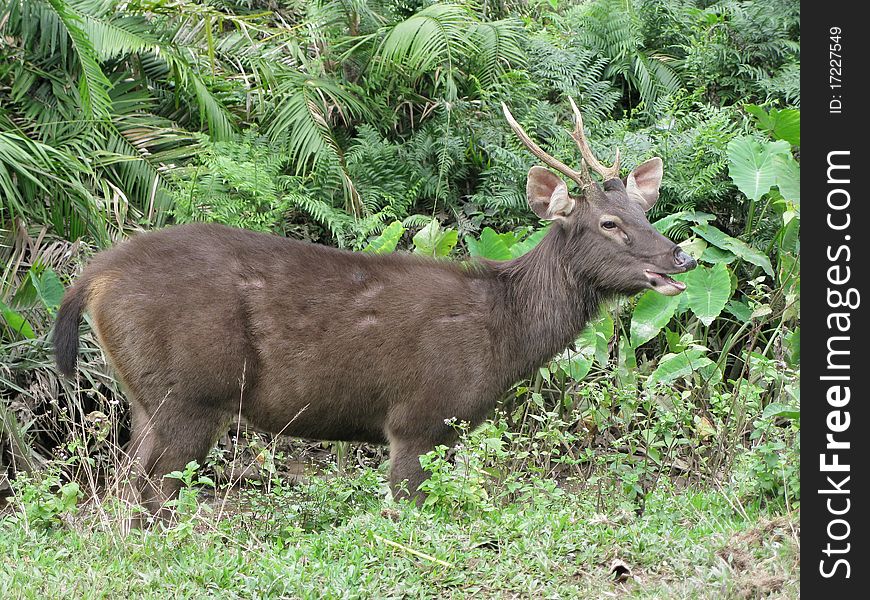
<point x="608" y="225"/>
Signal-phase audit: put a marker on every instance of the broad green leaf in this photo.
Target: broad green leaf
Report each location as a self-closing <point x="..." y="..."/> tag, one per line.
<point x="577" y="367"/>
<point x="740" y="248"/>
<point x="594" y="339"/>
<point x="48" y="288"/>
<point x="789" y="270"/>
<point x="520" y="248"/>
<point x="447" y="242"/>
<point x="683" y="305"/>
<point x="790" y="240"/>
<point x="678" y="343"/>
<point x="787" y="125"/>
<point x="490" y="245"/>
<point x="790" y="283"/>
<point x="586" y="341"/>
<point x="714" y="255"/>
<point x="387" y="241"/>
<point x="694" y="247"/>
<point x="674" y="366"/>
<point x="775" y="409"/>
<point x="711" y="374"/>
<point x="708" y="290"/>
<point x="604" y="333"/>
<point x="16" y="322"/>
<point x="626" y="362"/>
<point x="741" y="311"/>
<point x="793" y="347"/>
<point x="685" y="216"/>
<point x="221" y="124"/>
<point x="510" y="237"/>
<point x="788" y="178"/>
<point x="26" y="295"/>
<point x="752" y="165"/>
<point x="575" y="364"/>
<point x="426" y="239"/>
<point x="431" y="240"/>
<point x="782" y="124"/>
<point x="652" y="313"/>
<point x="793" y="304"/>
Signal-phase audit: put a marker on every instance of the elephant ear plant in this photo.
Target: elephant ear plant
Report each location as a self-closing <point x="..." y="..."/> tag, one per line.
<point x="205" y="322"/>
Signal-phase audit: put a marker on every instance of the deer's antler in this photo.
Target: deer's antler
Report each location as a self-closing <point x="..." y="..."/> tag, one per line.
<point x="579" y="137"/>
<point x="581" y="177"/>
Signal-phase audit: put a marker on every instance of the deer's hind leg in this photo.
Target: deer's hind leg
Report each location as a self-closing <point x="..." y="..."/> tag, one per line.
<point x="165" y="440"/>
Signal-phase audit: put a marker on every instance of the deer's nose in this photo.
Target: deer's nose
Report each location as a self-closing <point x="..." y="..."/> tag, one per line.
<point x="683" y="260"/>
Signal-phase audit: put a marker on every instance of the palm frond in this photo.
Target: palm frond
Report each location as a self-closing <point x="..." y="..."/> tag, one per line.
<point x="94" y="86"/>
<point x="437" y="36"/>
<point x="498" y="48"/>
<point x="39" y="180"/>
<point x="304" y="107"/>
<point x="112" y="40"/>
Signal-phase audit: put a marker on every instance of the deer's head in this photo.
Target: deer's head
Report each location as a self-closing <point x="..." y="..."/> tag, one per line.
<point x="608" y="240"/>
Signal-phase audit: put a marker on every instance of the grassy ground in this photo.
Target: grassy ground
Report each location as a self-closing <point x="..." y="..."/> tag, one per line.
<point x="336" y="537"/>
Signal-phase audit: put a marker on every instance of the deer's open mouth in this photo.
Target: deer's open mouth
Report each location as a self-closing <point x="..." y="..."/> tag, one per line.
<point x="664" y="284"/>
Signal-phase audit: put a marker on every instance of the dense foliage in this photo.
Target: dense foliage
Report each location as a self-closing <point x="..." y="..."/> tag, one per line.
<point x="375" y="125"/>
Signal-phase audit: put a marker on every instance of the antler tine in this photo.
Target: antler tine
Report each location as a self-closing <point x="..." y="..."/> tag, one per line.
<point x="579" y="137"/>
<point x="564" y="169"/>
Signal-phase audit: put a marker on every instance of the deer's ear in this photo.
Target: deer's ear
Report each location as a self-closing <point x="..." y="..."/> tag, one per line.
<point x="548" y="195"/>
<point x="642" y="184"/>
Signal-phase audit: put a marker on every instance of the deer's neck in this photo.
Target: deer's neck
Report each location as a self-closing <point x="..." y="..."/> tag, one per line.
<point x="545" y="305"/>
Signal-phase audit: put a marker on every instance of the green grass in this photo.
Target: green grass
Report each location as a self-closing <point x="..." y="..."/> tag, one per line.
<point x="336" y="537"/>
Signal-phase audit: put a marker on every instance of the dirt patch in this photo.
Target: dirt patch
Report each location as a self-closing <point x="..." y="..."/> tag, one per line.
<point x="763" y="586"/>
<point x="776" y="529"/>
<point x="763" y="558"/>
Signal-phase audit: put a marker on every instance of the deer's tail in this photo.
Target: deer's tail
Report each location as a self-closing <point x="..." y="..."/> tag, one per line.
<point x="65" y="337"/>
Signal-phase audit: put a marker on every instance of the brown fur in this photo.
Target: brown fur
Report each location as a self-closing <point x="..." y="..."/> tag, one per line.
<point x="203" y="322"/>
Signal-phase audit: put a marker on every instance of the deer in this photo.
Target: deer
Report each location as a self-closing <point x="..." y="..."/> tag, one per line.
<point x="203" y="323"/>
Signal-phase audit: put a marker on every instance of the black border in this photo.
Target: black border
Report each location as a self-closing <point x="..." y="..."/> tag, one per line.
<point x="823" y="132"/>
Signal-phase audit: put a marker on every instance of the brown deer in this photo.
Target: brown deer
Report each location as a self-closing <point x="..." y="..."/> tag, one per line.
<point x="203" y="322"/>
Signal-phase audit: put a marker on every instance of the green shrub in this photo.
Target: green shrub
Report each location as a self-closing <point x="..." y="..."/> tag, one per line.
<point x="43" y="501"/>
